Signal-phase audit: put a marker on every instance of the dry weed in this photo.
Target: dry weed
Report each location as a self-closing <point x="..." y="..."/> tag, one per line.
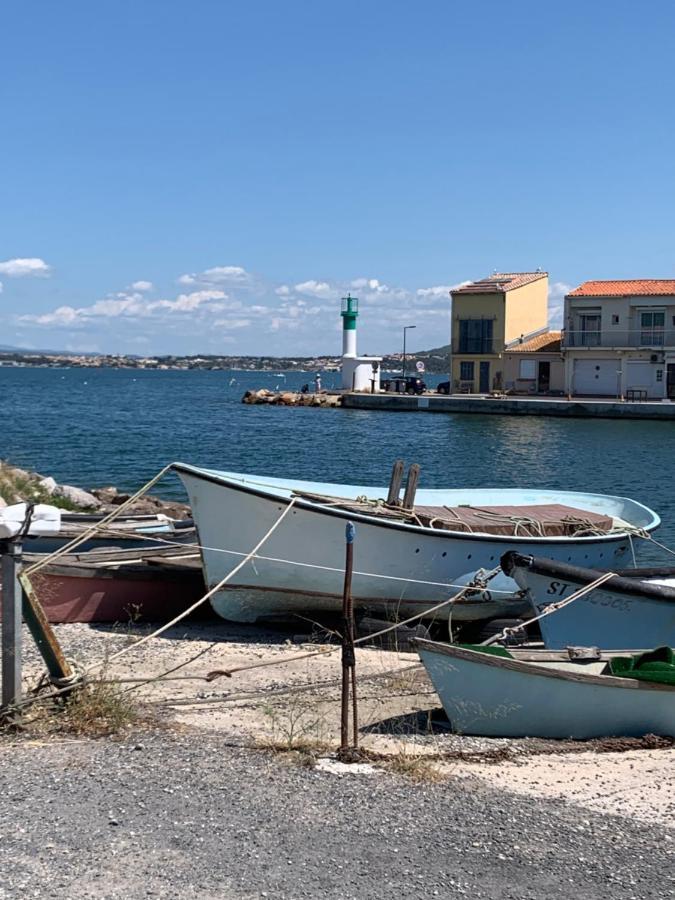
<point x="95" y="709"/>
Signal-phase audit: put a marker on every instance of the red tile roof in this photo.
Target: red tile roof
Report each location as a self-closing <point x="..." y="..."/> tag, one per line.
<point x="647" y="287"/>
<point x="499" y="282"/>
<point x="548" y="342"/>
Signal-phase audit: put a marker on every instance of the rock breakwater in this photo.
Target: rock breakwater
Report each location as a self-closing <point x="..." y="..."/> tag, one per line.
<point x="292" y="398"/>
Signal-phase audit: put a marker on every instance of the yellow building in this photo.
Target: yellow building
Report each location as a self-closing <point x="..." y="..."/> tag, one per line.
<point x="488" y="315"/>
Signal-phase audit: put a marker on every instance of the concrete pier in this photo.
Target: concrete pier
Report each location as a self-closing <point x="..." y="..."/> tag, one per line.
<point x="514" y="406"/>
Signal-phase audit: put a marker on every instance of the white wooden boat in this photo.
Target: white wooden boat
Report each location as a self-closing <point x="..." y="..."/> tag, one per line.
<point x="405" y="562"/>
<point x="625" y="611"/>
<point x="544" y="694"/>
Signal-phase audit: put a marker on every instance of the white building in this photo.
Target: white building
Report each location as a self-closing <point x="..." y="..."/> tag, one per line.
<point x="619" y="339"/>
<point x="359" y="373"/>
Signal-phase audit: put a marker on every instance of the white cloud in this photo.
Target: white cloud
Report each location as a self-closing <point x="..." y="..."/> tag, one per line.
<point x="63" y="315"/>
<point x="556" y="302"/>
<point x="231" y="324"/>
<point x="133" y="306"/>
<point x="439" y="291"/>
<point x="18" y="268"/>
<point x="371" y="283"/>
<point x="188" y="302"/>
<point x="216" y="275"/>
<point x="320" y="289"/>
<point x="301" y="318"/>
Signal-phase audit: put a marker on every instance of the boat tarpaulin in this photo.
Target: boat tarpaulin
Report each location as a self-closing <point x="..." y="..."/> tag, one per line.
<point x="656" y="665"/>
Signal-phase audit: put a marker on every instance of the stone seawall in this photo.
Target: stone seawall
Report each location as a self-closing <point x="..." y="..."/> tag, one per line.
<point x="519" y="406"/>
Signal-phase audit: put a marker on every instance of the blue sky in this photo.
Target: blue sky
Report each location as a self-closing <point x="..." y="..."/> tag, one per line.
<point x="212" y="176"/>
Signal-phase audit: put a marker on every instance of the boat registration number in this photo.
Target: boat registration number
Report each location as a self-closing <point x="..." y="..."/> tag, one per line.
<point x="559" y="588"/>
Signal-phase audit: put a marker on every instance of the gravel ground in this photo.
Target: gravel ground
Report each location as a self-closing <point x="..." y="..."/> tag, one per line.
<point x="165" y="814"/>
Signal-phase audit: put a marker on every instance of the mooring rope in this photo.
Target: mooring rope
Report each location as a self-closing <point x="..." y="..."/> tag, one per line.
<point x="326" y="651"/>
<point x="207" y="595"/>
<point x="304" y="565"/>
<point x="550" y="609"/>
<point x="95" y="526"/>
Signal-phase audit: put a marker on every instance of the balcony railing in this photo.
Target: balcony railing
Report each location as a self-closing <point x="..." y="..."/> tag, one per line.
<point x="647" y="338"/>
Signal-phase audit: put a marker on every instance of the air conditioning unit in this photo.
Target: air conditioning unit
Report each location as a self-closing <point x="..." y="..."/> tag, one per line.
<point x="657" y="358"/>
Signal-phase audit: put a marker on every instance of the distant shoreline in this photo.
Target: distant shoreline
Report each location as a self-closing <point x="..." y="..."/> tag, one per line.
<point x="25" y="359"/>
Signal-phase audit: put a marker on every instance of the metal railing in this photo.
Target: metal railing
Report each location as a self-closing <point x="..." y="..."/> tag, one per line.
<point x="649" y="338"/>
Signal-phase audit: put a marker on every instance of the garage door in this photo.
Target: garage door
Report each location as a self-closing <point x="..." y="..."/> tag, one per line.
<point x="596" y="377"/>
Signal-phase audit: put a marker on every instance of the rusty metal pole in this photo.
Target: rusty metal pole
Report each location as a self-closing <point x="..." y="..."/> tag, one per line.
<point x="351" y="534"/>
<point x="10" y="553"/>
<point x="347" y="636"/>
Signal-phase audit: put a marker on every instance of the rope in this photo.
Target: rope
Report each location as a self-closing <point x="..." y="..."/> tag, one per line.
<point x="632" y="550"/>
<point x="648" y="537"/>
<point x="291" y="562"/>
<point x="96" y="526"/>
<point x="207" y="596"/>
<point x="304" y="686"/>
<point x="550" y="609"/>
<point x="217" y="673"/>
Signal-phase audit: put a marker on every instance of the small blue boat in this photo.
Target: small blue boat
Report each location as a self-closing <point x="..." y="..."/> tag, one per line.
<point x="127" y="532"/>
<point x="495" y="692"/>
<point x="636" y="611"/>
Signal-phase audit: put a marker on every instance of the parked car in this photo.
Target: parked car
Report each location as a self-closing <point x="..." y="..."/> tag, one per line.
<point x="443" y="387"/>
<point x="411" y="384"/>
<point x="414" y="385"/>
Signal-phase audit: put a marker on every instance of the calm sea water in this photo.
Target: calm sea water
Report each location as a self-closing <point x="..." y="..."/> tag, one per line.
<point x="94" y="427"/>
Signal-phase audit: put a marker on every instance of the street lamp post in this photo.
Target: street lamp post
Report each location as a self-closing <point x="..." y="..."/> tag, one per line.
<point x="406" y="328"/>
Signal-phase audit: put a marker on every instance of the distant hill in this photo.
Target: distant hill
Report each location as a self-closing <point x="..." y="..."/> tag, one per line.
<point x="436" y="360"/>
<point x="7" y="348"/>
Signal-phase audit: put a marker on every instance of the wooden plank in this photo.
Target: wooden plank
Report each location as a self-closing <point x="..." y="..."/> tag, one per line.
<point x="395" y="483"/>
<point x="411" y="486"/>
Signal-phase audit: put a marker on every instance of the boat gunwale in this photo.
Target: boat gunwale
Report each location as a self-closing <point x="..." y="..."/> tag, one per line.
<point x="581" y="576"/>
<point x="133" y="572"/>
<point x="224" y="481"/>
<point x="530" y="668"/>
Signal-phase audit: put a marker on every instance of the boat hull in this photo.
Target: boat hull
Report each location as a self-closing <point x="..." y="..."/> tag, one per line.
<point x="71" y="593"/>
<point x="638" y="615"/>
<point x="494" y="697"/>
<point x="399" y="569"/>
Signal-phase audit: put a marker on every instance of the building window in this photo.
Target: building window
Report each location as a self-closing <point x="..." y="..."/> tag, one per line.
<point x="651" y="328"/>
<point x="615" y="320"/>
<point x="590" y="330"/>
<point x="659" y="374"/>
<point x="466" y="371"/>
<point x="528" y="369"/>
<point x="475" y="336"/>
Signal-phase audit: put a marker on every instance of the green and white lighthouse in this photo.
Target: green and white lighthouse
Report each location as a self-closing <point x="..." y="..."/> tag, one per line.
<point x="350" y="312"/>
<point x="359" y="373"/>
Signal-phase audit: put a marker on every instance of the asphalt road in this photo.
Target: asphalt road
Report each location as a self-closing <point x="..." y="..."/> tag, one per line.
<point x="184" y="815"/>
